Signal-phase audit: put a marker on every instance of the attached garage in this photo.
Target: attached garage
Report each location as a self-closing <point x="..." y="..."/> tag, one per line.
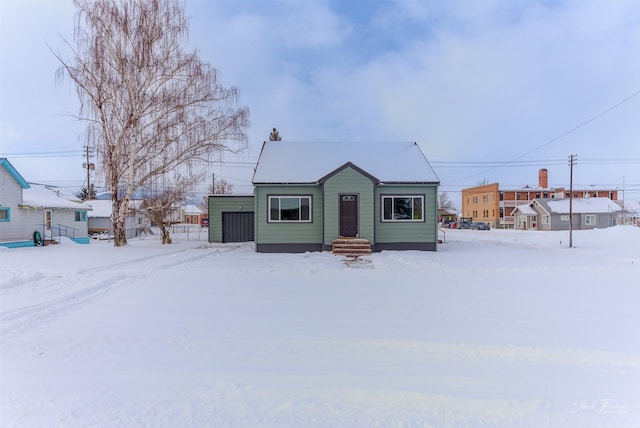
<point x="237" y="226"/>
<point x="231" y="218"/>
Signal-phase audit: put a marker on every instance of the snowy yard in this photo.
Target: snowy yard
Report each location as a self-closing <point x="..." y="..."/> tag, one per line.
<point x="496" y="329"/>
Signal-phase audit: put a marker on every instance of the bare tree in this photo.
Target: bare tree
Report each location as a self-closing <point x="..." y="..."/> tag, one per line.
<point x="151" y="108"/>
<point x="164" y="198"/>
<point x="274" y="135"/>
<point x="444" y="203"/>
<point x="221" y="187"/>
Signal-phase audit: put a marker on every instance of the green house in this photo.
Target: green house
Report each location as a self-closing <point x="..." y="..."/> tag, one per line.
<point x="307" y="194"/>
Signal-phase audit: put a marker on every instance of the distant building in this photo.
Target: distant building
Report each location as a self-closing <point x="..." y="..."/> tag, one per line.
<point x="495" y="205"/>
<point x="191" y="214"/>
<point x="554" y="214"/>
<point x="136" y="221"/>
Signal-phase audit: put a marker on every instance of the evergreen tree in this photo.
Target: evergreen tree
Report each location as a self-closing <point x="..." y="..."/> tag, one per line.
<point x="85" y="194"/>
<point x="275" y="135"/>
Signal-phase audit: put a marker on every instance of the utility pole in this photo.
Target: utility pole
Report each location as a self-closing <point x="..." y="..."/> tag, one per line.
<point x="624" y="208"/>
<point x="573" y="159"/>
<point x="90" y="167"/>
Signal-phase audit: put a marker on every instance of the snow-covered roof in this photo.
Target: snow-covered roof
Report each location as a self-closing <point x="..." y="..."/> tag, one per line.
<point x="40" y="196"/>
<point x="192" y="209"/>
<point x="308" y="162"/>
<point x="526" y="210"/>
<point x="583" y="205"/>
<point x="103" y="207"/>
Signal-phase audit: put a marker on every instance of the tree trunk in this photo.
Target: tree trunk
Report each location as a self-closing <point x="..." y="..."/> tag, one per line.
<point x="118" y="216"/>
<point x="166" y="238"/>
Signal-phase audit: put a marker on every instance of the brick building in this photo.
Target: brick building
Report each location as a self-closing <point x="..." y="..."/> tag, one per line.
<point x="494" y="204"/>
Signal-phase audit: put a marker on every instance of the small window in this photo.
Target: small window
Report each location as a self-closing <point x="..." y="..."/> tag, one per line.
<point x="81" y="216"/>
<point x="402" y="208"/>
<point x="545" y="219"/>
<point x="289" y="208"/>
<point x="564" y="217"/>
<point x="590" y="219"/>
<point x="5" y="214"/>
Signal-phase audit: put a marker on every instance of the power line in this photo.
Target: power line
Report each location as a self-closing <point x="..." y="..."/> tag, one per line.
<point x="45" y="154"/>
<point x="553" y="140"/>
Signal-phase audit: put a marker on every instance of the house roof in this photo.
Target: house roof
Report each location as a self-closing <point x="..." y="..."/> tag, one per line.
<point x="103" y="207"/>
<point x="580" y="205"/>
<point x="4" y="162"/>
<point x="40" y="196"/>
<point x="192" y="209"/>
<point x="308" y="162"/>
<point x="526" y="210"/>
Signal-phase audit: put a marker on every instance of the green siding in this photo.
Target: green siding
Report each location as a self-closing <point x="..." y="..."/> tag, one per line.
<point x="225" y="203"/>
<point x="288" y="233"/>
<point x="392" y="232"/>
<point x="348" y="181"/>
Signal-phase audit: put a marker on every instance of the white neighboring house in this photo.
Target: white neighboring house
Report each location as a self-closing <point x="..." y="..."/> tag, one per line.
<point x="27" y="208"/>
<point x="135" y="223"/>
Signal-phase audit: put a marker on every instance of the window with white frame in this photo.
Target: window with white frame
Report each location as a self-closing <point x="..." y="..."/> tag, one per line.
<point x="81" y="216"/>
<point x="590" y="219"/>
<point x="5" y="214"/>
<point x="403" y="208"/>
<point x="289" y="208"/>
<point x="564" y="217"/>
<point x="545" y="219"/>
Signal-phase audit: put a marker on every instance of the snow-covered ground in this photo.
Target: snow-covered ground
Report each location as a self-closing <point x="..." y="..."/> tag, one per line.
<point x="496" y="329"/>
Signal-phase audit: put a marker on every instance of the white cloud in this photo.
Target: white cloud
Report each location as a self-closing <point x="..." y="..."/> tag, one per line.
<point x="467" y="80"/>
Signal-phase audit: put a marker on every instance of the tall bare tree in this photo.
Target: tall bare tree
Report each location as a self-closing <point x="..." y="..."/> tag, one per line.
<point x="151" y="107"/>
<point x="163" y="199"/>
<point x="444" y="203"/>
<point x="221" y="187"/>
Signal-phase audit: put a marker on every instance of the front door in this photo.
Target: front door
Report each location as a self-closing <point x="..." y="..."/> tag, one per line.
<point x="349" y="216"/>
<point x="48" y="217"/>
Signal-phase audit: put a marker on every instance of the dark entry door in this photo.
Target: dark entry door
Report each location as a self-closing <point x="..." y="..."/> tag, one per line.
<point x="349" y="216"/>
<point x="237" y="226"/>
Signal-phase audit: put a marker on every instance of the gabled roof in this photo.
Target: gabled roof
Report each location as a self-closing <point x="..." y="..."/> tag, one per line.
<point x="40" y="196"/>
<point x="192" y="209"/>
<point x="293" y="162"/>
<point x="4" y="162"/>
<point x="579" y="205"/>
<point x="526" y="210"/>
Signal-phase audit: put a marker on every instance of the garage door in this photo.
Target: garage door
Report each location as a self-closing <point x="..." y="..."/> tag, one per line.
<point x="237" y="226"/>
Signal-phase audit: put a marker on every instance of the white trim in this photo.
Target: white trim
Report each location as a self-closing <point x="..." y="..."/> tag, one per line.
<point x="396" y="220"/>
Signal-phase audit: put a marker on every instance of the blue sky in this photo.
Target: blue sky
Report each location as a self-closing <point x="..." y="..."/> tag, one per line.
<point x="475" y="83"/>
